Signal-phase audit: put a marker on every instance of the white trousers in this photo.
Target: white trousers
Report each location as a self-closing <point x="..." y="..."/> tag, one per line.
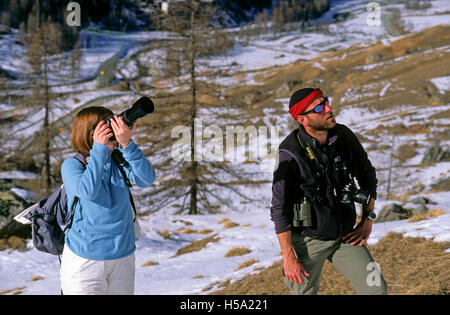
<point x="81" y="276"/>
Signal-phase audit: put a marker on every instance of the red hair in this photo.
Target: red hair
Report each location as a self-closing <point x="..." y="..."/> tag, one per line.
<point x="83" y="127"/>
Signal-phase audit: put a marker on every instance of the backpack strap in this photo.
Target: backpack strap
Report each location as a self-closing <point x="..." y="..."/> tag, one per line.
<point x="82" y="159"/>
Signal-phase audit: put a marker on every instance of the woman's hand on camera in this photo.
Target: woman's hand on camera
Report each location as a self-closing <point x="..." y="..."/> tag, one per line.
<point x="122" y="131"/>
<point x="102" y="133"/>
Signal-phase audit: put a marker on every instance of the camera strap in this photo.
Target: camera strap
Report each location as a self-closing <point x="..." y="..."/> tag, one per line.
<point x="121" y="162"/>
<point x="319" y="171"/>
<point x="317" y="167"/>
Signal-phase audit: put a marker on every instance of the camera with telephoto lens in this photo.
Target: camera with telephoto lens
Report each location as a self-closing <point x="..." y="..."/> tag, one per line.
<point x="141" y="108"/>
<point x="350" y="193"/>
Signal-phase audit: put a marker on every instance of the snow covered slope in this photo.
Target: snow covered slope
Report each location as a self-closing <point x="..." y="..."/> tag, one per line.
<point x="158" y="269"/>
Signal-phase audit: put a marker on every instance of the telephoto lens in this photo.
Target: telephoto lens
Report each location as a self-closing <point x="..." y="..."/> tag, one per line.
<point x="141" y="108"/>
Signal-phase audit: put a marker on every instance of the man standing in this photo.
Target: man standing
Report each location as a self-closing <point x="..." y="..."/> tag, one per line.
<point x="313" y="196"/>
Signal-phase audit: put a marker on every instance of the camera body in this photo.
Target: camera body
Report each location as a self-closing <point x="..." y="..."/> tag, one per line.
<point x="350" y="193"/>
<point x="141" y="108"/>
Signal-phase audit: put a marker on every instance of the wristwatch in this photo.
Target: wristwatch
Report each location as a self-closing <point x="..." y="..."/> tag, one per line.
<point x="371" y="215"/>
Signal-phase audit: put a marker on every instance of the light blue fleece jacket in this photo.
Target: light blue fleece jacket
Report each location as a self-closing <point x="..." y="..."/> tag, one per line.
<point x="103" y="226"/>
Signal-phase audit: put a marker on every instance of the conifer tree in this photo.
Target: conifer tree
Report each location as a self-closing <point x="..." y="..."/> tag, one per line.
<point x="48" y="68"/>
<point x="198" y="184"/>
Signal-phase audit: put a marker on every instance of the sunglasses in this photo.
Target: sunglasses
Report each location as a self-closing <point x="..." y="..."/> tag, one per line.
<point x="319" y="108"/>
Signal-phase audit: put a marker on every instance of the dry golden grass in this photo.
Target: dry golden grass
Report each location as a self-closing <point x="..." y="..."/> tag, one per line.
<point x="225" y="283"/>
<point x="204" y="231"/>
<point x="230" y="224"/>
<point x="212" y="285"/>
<point x="237" y="251"/>
<point x="400" y="129"/>
<point x="15" y="291"/>
<point x="409" y="265"/>
<point x="166" y="234"/>
<point x="411" y="75"/>
<point x="441" y="115"/>
<point x="431" y="213"/>
<point x="247" y="263"/>
<point x="405" y="152"/>
<point x="197" y="245"/>
<point x="183" y="221"/>
<point x="191" y="231"/>
<point x="13" y="242"/>
<point x="266" y="282"/>
<point x="36" y="278"/>
<point x="186" y="231"/>
<point x="150" y="263"/>
<point x="227" y="223"/>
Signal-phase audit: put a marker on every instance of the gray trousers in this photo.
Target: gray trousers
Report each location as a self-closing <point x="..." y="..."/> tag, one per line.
<point x="353" y="261"/>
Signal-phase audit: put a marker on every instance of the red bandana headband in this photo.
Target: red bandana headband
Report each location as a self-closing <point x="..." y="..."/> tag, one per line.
<point x="300" y="106"/>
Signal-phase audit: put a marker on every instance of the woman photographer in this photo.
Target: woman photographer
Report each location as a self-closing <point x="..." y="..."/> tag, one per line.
<point x="98" y="255"/>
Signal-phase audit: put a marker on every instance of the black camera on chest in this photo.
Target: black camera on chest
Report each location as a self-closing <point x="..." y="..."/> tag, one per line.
<point x="350" y="193"/>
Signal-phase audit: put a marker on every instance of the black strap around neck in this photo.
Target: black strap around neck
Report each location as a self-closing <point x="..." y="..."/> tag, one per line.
<point x="317" y="167"/>
<point x="120" y="161"/>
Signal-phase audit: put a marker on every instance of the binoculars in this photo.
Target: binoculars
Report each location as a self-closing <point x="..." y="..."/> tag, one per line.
<point x="302" y="214"/>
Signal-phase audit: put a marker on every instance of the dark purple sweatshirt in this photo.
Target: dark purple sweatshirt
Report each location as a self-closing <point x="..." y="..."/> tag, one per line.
<point x="294" y="178"/>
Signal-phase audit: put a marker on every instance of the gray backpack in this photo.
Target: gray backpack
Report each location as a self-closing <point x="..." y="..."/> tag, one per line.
<point x="51" y="218"/>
